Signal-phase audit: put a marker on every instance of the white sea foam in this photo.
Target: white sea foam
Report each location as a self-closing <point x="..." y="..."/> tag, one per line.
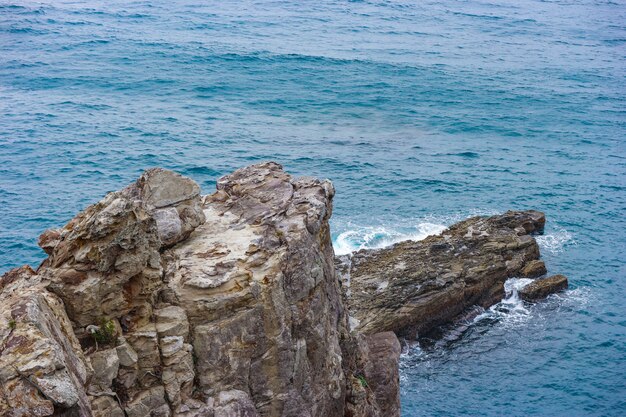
<point x="511" y="310"/>
<point x="555" y="242"/>
<point x="513" y="285"/>
<point x="354" y="237"/>
<point x="375" y="237"/>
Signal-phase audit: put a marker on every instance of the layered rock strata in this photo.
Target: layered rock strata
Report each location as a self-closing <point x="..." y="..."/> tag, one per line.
<point x="412" y="287"/>
<point x="543" y="287"/>
<point x="158" y="301"/>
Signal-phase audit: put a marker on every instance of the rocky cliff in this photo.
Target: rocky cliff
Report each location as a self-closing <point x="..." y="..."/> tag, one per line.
<point x="158" y="301"/>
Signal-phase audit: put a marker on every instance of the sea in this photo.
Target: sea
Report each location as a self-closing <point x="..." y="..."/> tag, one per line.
<point x="422" y="113"/>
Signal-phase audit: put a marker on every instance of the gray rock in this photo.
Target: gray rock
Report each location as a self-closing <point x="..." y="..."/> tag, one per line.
<point x="105" y="365"/>
<point x="126" y="354"/>
<point x="145" y="342"/>
<point x="58" y="387"/>
<point x="234" y="403"/>
<point x="148" y="403"/>
<point x="127" y="377"/>
<point x="105" y="406"/>
<point x="178" y="374"/>
<point x="172" y="200"/>
<point x="170" y="345"/>
<point x="158" y="188"/>
<point x="171" y="321"/>
<point x="169" y="225"/>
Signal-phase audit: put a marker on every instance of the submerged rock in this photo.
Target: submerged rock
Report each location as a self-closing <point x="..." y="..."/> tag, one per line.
<point x="541" y="288"/>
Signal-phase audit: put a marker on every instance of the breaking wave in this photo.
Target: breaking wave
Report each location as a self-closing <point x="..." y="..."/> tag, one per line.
<point x="376" y="237"/>
<point x="555" y="242"/>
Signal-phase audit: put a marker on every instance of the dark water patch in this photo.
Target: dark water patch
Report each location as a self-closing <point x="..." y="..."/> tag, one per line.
<point x="202" y="172"/>
<point x="466" y="155"/>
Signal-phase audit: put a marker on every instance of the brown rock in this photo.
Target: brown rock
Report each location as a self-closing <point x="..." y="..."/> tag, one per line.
<point x="533" y="269"/>
<point x="234" y="299"/>
<point x="229" y="305"/>
<point x="258" y="286"/>
<point x="382" y="373"/>
<point x="22" y="273"/>
<point x="24" y="400"/>
<point x="49" y="240"/>
<point x="411" y="287"/>
<point x="41" y="364"/>
<point x="541" y="288"/>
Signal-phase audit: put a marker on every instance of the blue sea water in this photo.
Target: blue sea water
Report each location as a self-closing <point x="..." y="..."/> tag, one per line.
<point x="422" y="113"/>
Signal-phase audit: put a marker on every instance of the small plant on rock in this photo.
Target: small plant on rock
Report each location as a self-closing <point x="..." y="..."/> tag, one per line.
<point x="104" y="333"/>
<point x="12" y="324"/>
<point x="362" y="380"/>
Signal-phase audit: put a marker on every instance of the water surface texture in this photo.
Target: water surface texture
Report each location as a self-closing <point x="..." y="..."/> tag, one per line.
<point x="422" y="113"/>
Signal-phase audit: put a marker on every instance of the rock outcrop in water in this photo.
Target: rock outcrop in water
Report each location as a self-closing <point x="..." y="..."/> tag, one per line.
<point x="412" y="287"/>
<point x="158" y="301"/>
<point x="541" y="288"/>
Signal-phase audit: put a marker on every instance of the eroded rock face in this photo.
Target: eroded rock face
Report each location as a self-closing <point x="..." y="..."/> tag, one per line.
<point x="257" y="284"/>
<point x="172" y="200"/>
<point x="106" y="262"/>
<point x="159" y="302"/>
<point x="42" y="367"/>
<point x="381" y="371"/>
<point x="411" y="287"/>
<point x="533" y="269"/>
